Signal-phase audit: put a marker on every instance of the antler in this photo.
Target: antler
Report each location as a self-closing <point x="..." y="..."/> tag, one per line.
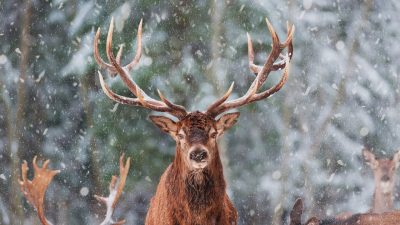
<point x="34" y="190"/>
<point x="112" y="71"/>
<point x="116" y="187"/>
<point x="221" y="105"/>
<point x="142" y="99"/>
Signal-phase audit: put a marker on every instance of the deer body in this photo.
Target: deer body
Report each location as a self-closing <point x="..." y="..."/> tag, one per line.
<point x="388" y="218"/>
<point x="201" y="200"/>
<point x="382" y="202"/>
<point x="192" y="190"/>
<point x="385" y="179"/>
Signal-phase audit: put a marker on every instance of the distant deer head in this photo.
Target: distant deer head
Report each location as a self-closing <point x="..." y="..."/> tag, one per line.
<point x="385" y="179"/>
<point x="195" y="133"/>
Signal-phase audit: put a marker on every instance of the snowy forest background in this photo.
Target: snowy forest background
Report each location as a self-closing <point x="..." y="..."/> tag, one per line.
<point x="305" y="141"/>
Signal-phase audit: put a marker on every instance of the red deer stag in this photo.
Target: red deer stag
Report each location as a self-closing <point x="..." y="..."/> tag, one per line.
<point x="385" y="179"/>
<point x="192" y="189"/>
<point x="35" y="189"/>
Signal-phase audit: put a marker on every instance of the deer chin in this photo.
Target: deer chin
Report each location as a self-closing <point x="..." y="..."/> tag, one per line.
<point x="195" y="165"/>
<point x="386" y="187"/>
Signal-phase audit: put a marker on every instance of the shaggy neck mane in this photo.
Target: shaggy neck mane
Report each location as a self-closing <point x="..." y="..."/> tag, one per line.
<point x="199" y="189"/>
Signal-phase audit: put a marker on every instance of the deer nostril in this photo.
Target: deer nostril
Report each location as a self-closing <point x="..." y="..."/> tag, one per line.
<point x="198" y="155"/>
<point x="385" y="178"/>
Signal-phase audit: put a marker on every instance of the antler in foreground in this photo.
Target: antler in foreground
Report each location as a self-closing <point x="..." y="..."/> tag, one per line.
<point x="34" y="190"/>
<point x="116" y="187"/>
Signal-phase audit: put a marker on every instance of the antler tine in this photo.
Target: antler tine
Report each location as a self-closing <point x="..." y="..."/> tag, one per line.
<point x="118" y="98"/>
<point x="97" y="57"/>
<point x="262" y="73"/>
<point x="223" y="98"/>
<point x="119" y="54"/>
<point x="110" y="67"/>
<point x="35" y="190"/>
<point x="142" y="99"/>
<point x="275" y="51"/>
<point x="170" y="104"/>
<point x="278" y="65"/>
<point x="123" y="171"/>
<point x="275" y="88"/>
<point x="250" y="52"/>
<point x="116" y="187"/>
<point x="132" y="86"/>
<point x="138" y="48"/>
<point x="131" y="101"/>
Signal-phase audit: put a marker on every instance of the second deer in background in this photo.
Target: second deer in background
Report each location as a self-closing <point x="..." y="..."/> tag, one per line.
<point x="385" y="179"/>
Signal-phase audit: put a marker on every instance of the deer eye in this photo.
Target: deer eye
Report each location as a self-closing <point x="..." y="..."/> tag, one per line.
<point x="214" y="134"/>
<point x="181" y="136"/>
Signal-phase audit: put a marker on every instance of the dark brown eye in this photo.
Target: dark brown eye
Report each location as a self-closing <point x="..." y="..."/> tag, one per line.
<point x="181" y="136"/>
<point x="214" y="134"/>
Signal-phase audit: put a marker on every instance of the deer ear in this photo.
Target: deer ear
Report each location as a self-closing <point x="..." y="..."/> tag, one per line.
<point x="396" y="159"/>
<point x="226" y="121"/>
<point x="297" y="211"/>
<point x="370" y="158"/>
<point x="312" y="221"/>
<point x="165" y="124"/>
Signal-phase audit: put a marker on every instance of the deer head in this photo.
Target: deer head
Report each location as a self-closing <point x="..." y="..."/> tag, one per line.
<point x="196" y="135"/>
<point x="196" y="132"/>
<point x="384" y="170"/>
<point x="385" y="179"/>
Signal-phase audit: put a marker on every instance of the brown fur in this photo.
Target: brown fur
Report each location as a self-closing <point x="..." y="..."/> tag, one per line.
<point x="388" y="218"/>
<point x="192" y="197"/>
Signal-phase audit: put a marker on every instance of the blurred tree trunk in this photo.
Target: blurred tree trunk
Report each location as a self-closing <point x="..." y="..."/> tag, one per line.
<point x="217" y="11"/>
<point x="284" y="168"/>
<point x="10" y="128"/>
<point x="16" y="129"/>
<point x="86" y="82"/>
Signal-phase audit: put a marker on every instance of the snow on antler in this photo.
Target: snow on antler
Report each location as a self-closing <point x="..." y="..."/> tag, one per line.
<point x="116" y="187"/>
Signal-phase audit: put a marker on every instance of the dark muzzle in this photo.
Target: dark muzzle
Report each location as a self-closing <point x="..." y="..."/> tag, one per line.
<point x="198" y="155"/>
<point x="385" y="178"/>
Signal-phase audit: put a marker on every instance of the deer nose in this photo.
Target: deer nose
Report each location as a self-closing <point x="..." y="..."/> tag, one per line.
<point x="198" y="154"/>
<point x="385" y="178"/>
